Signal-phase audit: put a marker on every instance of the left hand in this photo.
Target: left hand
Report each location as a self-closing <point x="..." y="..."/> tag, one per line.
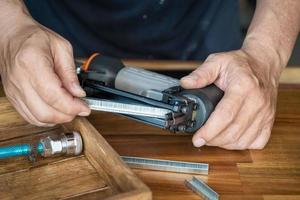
<point x="244" y="117"/>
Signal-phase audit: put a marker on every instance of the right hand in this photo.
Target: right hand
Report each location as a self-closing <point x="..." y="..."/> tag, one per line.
<point x="38" y="75"/>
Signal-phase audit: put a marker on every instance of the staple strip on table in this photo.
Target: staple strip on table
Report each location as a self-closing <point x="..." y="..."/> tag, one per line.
<point x="166" y="165"/>
<point x="126" y="108"/>
<point x="200" y="188"/>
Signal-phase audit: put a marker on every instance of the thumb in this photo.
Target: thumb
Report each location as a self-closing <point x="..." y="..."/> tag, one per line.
<point x="64" y="66"/>
<point x="204" y="75"/>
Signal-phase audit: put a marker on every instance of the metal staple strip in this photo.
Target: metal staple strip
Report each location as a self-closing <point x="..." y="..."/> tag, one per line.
<point x="166" y="165"/>
<point x="200" y="188"/>
<point x="126" y="108"/>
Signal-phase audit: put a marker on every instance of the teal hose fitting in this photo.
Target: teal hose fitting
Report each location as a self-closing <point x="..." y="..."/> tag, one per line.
<point x="19" y="150"/>
<point x="64" y="144"/>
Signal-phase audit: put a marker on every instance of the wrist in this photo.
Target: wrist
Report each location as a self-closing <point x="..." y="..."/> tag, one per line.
<point x="269" y="59"/>
<point x="13" y="18"/>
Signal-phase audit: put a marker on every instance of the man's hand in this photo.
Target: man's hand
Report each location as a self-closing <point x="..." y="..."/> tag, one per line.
<point x="38" y="74"/>
<point x="244" y="117"/>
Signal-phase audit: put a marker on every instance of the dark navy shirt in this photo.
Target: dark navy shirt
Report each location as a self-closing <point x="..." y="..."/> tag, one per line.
<point x="161" y="29"/>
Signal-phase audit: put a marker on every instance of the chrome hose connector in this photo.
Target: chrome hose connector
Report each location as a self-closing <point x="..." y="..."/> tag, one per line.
<point x="64" y="144"/>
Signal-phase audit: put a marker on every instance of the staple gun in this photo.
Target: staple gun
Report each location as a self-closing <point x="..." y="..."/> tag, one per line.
<point x="145" y="96"/>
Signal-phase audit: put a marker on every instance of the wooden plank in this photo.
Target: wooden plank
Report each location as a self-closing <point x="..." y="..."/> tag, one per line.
<point x="105" y="123"/>
<point x="100" y="193"/>
<point x="242" y="197"/>
<point x="274" y="173"/>
<point x="13" y="125"/>
<point x="54" y="181"/>
<point x="270" y="178"/>
<point x="99" y="173"/>
<point x="290" y="75"/>
<point x="280" y="197"/>
<point x="120" y="177"/>
<point x="22" y="163"/>
<point x="173" y="147"/>
<point x="224" y="179"/>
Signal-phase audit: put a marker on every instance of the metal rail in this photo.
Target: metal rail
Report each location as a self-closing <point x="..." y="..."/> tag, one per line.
<point x="200" y="188"/>
<point x="166" y="165"/>
<point x="126" y="108"/>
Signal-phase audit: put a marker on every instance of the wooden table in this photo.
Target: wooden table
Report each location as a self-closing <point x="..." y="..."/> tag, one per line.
<point x="272" y="173"/>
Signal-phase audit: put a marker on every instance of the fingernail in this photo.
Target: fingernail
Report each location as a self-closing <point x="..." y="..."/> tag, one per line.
<point x="191" y="77"/>
<point x="78" y="90"/>
<point x="199" y="142"/>
<point x="84" y="114"/>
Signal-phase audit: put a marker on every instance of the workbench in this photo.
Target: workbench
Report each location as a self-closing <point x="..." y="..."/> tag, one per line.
<point x="271" y="173"/>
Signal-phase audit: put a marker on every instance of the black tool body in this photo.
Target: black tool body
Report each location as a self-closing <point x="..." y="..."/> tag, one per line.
<point x="108" y="78"/>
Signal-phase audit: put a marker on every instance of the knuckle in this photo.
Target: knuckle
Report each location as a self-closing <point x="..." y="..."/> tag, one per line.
<point x="67" y="119"/>
<point x="52" y="99"/>
<point x="270" y="116"/>
<point x="70" y="119"/>
<point x="250" y="83"/>
<point x="232" y="137"/>
<point x="12" y="80"/>
<point x="235" y="146"/>
<point x="201" y="73"/>
<point x="227" y="113"/>
<point x="44" y="117"/>
<point x="261" y="101"/>
<point x="258" y="146"/>
<point x="9" y="90"/>
<point x="217" y="56"/>
<point x="49" y="92"/>
<point x="26" y="53"/>
<point x="50" y="96"/>
<point x="241" y="146"/>
<point x="211" y="56"/>
<point x="67" y="45"/>
<point x="228" y="147"/>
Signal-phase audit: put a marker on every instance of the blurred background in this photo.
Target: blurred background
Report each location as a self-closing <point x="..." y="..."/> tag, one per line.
<point x="247" y="8"/>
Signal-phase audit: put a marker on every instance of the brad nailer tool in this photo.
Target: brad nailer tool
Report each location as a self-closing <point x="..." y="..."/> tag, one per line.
<point x="145" y="96"/>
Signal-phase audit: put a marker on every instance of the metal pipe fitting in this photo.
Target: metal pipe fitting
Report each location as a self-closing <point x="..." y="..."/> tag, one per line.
<point x="64" y="144"/>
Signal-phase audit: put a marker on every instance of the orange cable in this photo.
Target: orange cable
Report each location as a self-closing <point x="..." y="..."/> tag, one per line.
<point x="86" y="64"/>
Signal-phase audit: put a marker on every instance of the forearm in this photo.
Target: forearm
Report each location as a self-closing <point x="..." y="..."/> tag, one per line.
<point x="13" y="15"/>
<point x="273" y="32"/>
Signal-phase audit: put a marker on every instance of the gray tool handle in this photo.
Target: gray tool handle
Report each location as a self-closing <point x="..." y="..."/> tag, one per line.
<point x="207" y="99"/>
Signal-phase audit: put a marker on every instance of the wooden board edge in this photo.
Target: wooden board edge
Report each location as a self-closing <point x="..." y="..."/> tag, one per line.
<point x="108" y="160"/>
<point x="139" y="194"/>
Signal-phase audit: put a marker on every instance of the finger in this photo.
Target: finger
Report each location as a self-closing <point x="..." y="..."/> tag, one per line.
<point x="16" y="100"/>
<point x="247" y="137"/>
<point x="42" y="111"/>
<point x="237" y="128"/>
<point x="64" y="66"/>
<point x="204" y="75"/>
<point x="21" y="111"/>
<point x="25" y="113"/>
<point x="32" y="119"/>
<point x="50" y="89"/>
<point x="223" y="115"/>
<point x="262" y="138"/>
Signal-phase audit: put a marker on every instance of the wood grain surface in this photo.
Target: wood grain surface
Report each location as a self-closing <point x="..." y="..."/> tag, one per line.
<point x="98" y="173"/>
<point x="271" y="174"/>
